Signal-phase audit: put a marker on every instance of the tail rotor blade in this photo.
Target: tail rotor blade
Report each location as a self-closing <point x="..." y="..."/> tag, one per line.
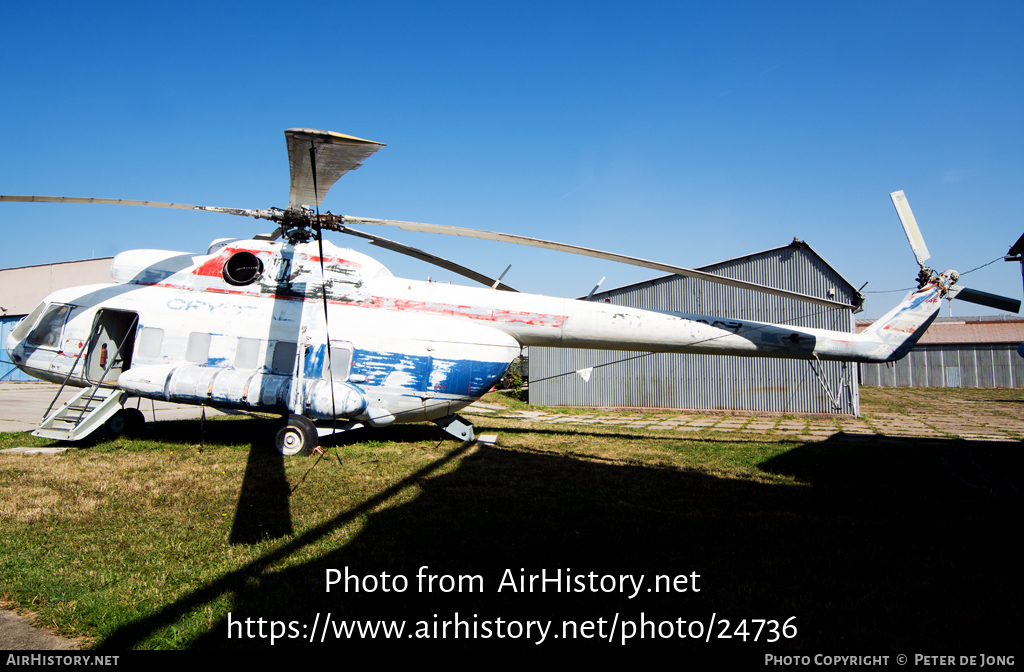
<point x="899" y="199"/>
<point x="989" y="300"/>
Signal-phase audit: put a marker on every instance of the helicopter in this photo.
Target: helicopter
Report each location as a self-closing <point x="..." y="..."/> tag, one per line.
<point x="329" y="339"/>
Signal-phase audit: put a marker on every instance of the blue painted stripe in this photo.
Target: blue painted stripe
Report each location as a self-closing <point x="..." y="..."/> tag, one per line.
<point x="427" y="374"/>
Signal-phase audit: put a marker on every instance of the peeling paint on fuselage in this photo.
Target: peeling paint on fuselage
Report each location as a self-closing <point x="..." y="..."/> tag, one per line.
<point x="314" y="360"/>
<point x="416" y="373"/>
<point x="400" y="359"/>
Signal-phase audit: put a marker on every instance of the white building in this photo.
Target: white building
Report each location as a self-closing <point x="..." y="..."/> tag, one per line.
<point x="21" y="290"/>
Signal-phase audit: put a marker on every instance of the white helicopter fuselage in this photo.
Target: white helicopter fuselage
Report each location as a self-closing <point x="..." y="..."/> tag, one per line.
<point x="244" y="327"/>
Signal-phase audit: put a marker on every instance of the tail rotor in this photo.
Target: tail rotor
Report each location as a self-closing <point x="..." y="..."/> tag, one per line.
<point x="947" y="278"/>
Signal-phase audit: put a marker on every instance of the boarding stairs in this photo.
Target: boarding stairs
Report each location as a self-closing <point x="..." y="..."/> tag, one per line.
<point x="83" y="415"/>
<point x="93" y="406"/>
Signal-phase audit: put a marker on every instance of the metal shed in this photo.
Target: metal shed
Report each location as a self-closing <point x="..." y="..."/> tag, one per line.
<point x="708" y="382"/>
<point x="957" y="352"/>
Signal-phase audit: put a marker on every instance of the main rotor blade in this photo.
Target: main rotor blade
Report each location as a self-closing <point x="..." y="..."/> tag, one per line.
<point x="417" y="253"/>
<point x="121" y="201"/>
<point x="990" y="300"/>
<point x="899" y="199"/>
<point x="336" y="154"/>
<point x="589" y="252"/>
<point x="336" y="222"/>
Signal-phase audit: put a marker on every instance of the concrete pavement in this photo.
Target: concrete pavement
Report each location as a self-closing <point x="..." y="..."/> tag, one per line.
<point x="978" y="415"/>
<point x="23" y="404"/>
<point x="984" y="415"/>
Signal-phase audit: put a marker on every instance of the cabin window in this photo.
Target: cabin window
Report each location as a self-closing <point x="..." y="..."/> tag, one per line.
<point x="151" y="340"/>
<point x="198" y="350"/>
<point x="284" y="357"/>
<point x="247" y="353"/>
<point x="47" y="332"/>
<point x="341" y="360"/>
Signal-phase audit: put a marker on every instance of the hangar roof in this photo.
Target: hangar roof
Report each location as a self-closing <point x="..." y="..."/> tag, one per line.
<point x="847" y="289"/>
<point x="978" y="329"/>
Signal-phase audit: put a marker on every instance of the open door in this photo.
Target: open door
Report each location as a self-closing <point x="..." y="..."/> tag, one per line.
<point x="112" y="344"/>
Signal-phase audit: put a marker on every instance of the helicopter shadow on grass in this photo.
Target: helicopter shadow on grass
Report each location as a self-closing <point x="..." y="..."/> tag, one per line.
<point x="263" y="509"/>
<point x="714" y="438"/>
<point x="869" y="544"/>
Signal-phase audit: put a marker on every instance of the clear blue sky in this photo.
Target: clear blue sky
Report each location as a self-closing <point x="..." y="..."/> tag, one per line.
<point x="687" y="132"/>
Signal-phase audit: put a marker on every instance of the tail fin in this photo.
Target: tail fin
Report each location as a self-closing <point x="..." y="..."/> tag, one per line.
<point x="902" y="327"/>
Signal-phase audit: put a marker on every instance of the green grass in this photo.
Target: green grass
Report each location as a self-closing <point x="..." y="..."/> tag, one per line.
<point x="878" y="545"/>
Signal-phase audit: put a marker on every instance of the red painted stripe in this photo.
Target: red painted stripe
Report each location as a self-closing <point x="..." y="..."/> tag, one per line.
<point x="481" y="313"/>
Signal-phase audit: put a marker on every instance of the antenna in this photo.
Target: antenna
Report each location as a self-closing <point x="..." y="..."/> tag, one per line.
<point x="500" y="277"/>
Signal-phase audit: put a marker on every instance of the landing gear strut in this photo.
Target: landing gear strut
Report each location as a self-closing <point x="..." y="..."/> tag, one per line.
<point x="457" y="426"/>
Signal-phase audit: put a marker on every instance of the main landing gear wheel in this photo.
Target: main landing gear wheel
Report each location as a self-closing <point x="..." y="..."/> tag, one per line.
<point x="127" y="421"/>
<point x="295" y="436"/>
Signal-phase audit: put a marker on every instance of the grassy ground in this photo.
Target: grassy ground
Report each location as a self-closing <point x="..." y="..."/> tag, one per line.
<point x="871" y="546"/>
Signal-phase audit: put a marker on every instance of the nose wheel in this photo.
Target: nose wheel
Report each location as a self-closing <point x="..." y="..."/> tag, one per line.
<point x="295" y="436"/>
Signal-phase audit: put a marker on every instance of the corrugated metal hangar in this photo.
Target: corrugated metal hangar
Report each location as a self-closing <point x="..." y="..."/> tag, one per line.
<point x="708" y="382"/>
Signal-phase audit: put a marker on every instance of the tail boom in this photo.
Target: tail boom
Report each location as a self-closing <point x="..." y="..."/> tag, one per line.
<point x="890" y="338"/>
<point x="534" y="320"/>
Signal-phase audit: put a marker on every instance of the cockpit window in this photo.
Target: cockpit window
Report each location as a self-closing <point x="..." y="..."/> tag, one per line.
<point x="21" y="331"/>
<point x="47" y="332"/>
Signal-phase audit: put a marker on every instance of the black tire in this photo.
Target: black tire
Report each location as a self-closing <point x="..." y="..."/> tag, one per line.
<point x="127" y="421"/>
<point x="134" y="421"/>
<point x="116" y="424"/>
<point x="296" y="436"/>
